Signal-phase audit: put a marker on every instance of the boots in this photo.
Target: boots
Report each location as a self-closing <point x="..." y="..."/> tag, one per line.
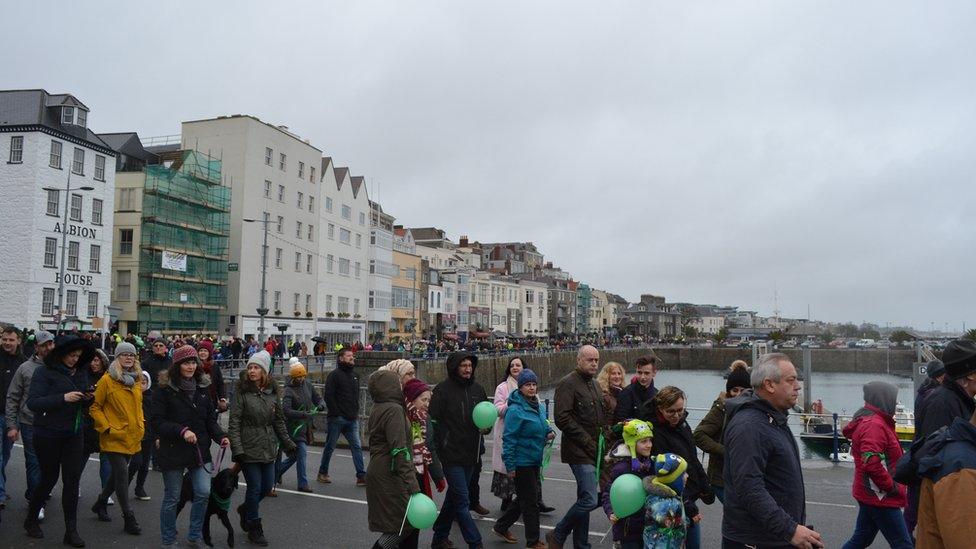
<point x="131" y="526"/>
<point x="71" y="536"/>
<point x="100" y="508"/>
<point x="255" y="533"/>
<point x="33" y="528"/>
<point x="244" y="522"/>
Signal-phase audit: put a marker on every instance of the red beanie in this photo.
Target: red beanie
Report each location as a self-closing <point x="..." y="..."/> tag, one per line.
<point x="183" y="354"/>
<point x="414" y="388"/>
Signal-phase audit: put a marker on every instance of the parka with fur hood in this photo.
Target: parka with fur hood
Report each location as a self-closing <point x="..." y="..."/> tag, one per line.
<point x="175" y="411"/>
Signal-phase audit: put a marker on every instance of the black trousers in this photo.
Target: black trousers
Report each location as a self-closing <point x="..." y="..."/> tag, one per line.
<point x="118" y="482"/>
<point x="526" y="504"/>
<point x="139" y="464"/>
<point x="64" y="457"/>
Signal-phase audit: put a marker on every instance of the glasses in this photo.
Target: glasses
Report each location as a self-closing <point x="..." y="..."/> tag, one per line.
<point x="674" y="413"/>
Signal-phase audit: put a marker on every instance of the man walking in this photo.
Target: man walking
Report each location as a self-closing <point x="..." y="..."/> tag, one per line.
<point x="10" y="359"/>
<point x="158" y="361"/>
<point x="579" y="415"/>
<point x="458" y="442"/>
<point x="634" y="396"/>
<point x="342" y="402"/>
<point x="765" y="502"/>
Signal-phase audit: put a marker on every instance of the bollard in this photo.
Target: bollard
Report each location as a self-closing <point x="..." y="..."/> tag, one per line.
<point x="836" y="444"/>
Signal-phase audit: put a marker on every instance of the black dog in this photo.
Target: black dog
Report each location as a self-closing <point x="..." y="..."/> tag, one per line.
<point x="222" y="488"/>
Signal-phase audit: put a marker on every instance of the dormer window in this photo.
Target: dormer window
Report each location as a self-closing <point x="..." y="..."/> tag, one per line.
<point x="68" y="115"/>
<point x="82" y="117"/>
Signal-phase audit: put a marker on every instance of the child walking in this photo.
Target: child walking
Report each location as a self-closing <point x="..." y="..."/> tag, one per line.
<point x="633" y="456"/>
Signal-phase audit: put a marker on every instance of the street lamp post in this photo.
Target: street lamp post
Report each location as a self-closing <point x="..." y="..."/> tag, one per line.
<point x="64" y="242"/>
<point x="262" y="306"/>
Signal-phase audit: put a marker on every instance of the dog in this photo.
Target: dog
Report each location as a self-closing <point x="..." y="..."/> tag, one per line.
<point x="222" y="487"/>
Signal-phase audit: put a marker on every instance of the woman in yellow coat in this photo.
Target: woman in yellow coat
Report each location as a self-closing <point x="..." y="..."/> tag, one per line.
<point x="117" y="415"/>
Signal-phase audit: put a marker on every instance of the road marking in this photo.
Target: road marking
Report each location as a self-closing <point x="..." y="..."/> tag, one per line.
<point x="841" y="505"/>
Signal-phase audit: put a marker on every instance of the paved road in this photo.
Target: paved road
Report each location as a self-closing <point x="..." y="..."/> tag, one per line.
<point x="335" y="516"/>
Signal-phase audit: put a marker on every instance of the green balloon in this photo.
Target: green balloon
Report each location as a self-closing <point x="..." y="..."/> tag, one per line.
<point x="421" y="511"/>
<point x="627" y="495"/>
<point x="484" y="415"/>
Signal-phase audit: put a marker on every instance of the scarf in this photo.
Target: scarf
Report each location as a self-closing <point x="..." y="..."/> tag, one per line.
<point x="127" y="378"/>
<point x="188" y="385"/>
<point x="418" y="434"/>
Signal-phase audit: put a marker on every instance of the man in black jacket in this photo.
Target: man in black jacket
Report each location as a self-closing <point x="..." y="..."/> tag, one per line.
<point x="765" y="502"/>
<point x="342" y="402"/>
<point x="10" y="359"/>
<point x="158" y="361"/>
<point x="634" y="396"/>
<point x="458" y="441"/>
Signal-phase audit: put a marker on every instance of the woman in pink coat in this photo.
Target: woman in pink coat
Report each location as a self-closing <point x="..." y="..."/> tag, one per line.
<point x="501" y="484"/>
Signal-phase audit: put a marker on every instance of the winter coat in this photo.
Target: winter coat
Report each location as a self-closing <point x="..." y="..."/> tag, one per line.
<point x="941" y="406"/>
<point x="154" y="364"/>
<point x="924" y="390"/>
<point x="502" y="393"/>
<point x="679" y="440"/>
<point x="217" y="390"/>
<point x="610" y="397"/>
<point x="116" y="413"/>
<point x="299" y="405"/>
<point x="765" y="498"/>
<point x="53" y="417"/>
<point x="342" y="393"/>
<point x="875" y="449"/>
<point x="8" y="366"/>
<point x="665" y="523"/>
<point x="174" y="411"/>
<point x="457" y="439"/>
<point x="17" y="412"/>
<point x="579" y="415"/>
<point x="92" y="442"/>
<point x="621" y="463"/>
<point x="708" y="437"/>
<point x="526" y="429"/>
<point x="392" y="476"/>
<point x="632" y="399"/>
<point x="257" y="424"/>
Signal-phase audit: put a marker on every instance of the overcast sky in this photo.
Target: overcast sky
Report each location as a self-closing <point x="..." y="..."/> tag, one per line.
<point x="716" y="152"/>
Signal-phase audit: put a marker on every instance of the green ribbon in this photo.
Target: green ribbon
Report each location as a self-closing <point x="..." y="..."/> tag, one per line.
<point x="304" y="423"/>
<point x="599" y="455"/>
<point x="393" y="455"/>
<point x="866" y="456"/>
<point x="78" y="421"/>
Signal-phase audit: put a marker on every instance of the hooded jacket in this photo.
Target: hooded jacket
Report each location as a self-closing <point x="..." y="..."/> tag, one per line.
<point x="679" y="440"/>
<point x="579" y="415"/>
<point x="299" y="405"/>
<point x="53" y="417"/>
<point x="392" y="476"/>
<point x="257" y="424"/>
<point x="526" y="429"/>
<point x="342" y="392"/>
<point x="875" y="449"/>
<point x="456" y="437"/>
<point x="175" y="411"/>
<point x="116" y="412"/>
<point x="945" y="403"/>
<point x="708" y="437"/>
<point x="764" y="494"/>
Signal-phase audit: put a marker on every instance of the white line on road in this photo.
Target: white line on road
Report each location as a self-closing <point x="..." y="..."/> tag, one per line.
<point x="842" y="505"/>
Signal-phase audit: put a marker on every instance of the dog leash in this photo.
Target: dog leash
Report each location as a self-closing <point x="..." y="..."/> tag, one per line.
<point x="220" y="461"/>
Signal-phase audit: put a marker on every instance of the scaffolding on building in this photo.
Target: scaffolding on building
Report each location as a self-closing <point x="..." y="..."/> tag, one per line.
<point x="185" y="217"/>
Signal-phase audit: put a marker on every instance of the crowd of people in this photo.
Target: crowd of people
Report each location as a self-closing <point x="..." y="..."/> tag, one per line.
<point x="69" y="400"/>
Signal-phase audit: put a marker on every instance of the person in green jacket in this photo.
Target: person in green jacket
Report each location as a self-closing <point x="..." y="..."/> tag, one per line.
<point x="708" y="434"/>
<point x="256" y="429"/>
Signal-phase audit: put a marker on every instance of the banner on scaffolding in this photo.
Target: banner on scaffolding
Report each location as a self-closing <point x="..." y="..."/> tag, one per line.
<point x="174" y="261"/>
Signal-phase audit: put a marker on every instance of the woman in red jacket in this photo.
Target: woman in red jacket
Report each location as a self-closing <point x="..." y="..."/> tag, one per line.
<point x="875" y="449"/>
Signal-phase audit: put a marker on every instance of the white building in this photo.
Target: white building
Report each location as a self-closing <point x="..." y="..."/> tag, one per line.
<point x="707" y="325"/>
<point x="535" y="308"/>
<point x="381" y="272"/>
<point x="45" y="148"/>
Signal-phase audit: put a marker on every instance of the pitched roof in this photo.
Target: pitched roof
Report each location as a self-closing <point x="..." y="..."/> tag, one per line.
<point x="127" y="143"/>
<point x="357" y="183"/>
<point x="340" y="175"/>
<point x="39" y="108"/>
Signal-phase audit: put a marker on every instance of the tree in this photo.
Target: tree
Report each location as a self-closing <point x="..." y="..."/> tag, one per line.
<point x="777" y="336"/>
<point x="901" y="336"/>
<point x="848" y="330"/>
<point x="971" y="335"/>
<point x="827" y="336"/>
<point x="722" y="335"/>
<point x="689" y="332"/>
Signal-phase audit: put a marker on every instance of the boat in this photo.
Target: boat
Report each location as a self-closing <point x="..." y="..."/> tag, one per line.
<point x="818" y="428"/>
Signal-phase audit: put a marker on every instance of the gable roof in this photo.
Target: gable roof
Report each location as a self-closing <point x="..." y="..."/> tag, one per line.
<point x="340" y="175"/>
<point x="26" y="110"/>
<point x="357" y="183"/>
<point x="127" y="143"/>
<point x="326" y="162"/>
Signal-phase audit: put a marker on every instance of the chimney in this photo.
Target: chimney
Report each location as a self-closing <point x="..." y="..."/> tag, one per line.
<point x="463" y="241"/>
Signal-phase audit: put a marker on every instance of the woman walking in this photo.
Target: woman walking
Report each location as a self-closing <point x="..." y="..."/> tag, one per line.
<point x="708" y="434"/>
<point x="672" y="435"/>
<point x="300" y="404"/>
<point x="205" y="352"/>
<point x="185" y="422"/>
<point x="256" y="429"/>
<point x="526" y="434"/>
<point x="118" y="419"/>
<point x="60" y="391"/>
<point x="416" y="396"/>
<point x="501" y="483"/>
<point x="391" y="471"/>
<point x="611" y="381"/>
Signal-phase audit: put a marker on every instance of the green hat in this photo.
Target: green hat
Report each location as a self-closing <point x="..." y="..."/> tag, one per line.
<point x="635" y="430"/>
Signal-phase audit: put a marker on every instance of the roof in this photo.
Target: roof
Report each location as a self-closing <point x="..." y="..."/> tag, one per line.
<point x="326" y="162"/>
<point x="340" y="175"/>
<point x="129" y="144"/>
<point x="357" y="183"/>
<point x="37" y="109"/>
<point x="282" y="129"/>
<point x="428" y="233"/>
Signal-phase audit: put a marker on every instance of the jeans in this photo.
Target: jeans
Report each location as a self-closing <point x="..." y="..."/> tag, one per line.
<point x="693" y="535"/>
<point x="456" y="507"/>
<point x="577" y="518"/>
<point x="104" y="468"/>
<point x="719" y="493"/>
<point x="260" y="479"/>
<point x="526" y="504"/>
<point x="62" y="456"/>
<point x="30" y="459"/>
<point x="871" y="519"/>
<point x="4" y="458"/>
<point x="299" y="462"/>
<point x="350" y="430"/>
<point x="172" y="484"/>
<point x="474" y="487"/>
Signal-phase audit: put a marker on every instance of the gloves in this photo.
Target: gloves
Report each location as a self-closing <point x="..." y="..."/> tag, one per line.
<point x="440" y="485"/>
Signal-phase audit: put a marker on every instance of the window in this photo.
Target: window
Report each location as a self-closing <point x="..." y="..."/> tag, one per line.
<point x="75" y="210"/>
<point x="278" y="252"/>
<point x="123" y="285"/>
<point x="343" y="266"/>
<point x="53" y="201"/>
<point x="311" y="174"/>
<point x="67" y="115"/>
<point x="355" y="307"/>
<point x="362" y="218"/>
<point x="308" y="302"/>
<point x="344" y="235"/>
<point x="371" y="302"/>
<point x="268" y="155"/>
<point x="47" y="301"/>
<point x="95" y="259"/>
<point x="50" y="252"/>
<point x="16" y="149"/>
<point x="328" y="204"/>
<point x="298" y="262"/>
<point x="311" y="203"/>
<point x="301" y="199"/>
<point x="82" y="121"/>
<point x="529" y="296"/>
<point x="99" y="167"/>
<point x="343" y="305"/>
<point x="125" y="242"/>
<point x="301" y="170"/>
<point x="277" y="300"/>
<point x="280" y="224"/>
<point x="55" y="161"/>
<point x="328" y="303"/>
<point x="297" y="297"/>
<point x="403" y="298"/>
<point x="92" y="304"/>
<point x="281" y="161"/>
<point x="73" y="250"/>
<point x="126" y="199"/>
<point x="298" y="229"/>
<point x="71" y="303"/>
<point x="308" y="263"/>
<point x="281" y="193"/>
<point x="359" y="240"/>
<point x="346" y="212"/>
<point x="329" y="263"/>
<point x="311" y="231"/>
<point x="358" y="269"/>
<point x="267" y="189"/>
<point x="331" y="231"/>
<point x="96" y="211"/>
<point x="78" y="164"/>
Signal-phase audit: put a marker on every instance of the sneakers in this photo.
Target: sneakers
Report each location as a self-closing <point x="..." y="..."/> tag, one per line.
<point x="40" y="515"/>
<point x="305" y="489"/>
<point x="323" y="478"/>
<point x="480" y="509"/>
<point x="360" y="482"/>
<point x="507" y="535"/>
<point x="141" y="494"/>
<point x="109" y="501"/>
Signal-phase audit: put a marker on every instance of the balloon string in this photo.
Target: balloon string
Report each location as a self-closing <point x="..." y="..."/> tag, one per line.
<point x="405" y="513"/>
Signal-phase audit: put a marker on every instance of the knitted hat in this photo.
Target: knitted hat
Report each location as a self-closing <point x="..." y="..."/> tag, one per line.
<point x="297" y="370"/>
<point x="208" y="345"/>
<point x="738" y="377"/>
<point x="414" y="388"/>
<point x="399" y="366"/>
<point x="935" y="368"/>
<point x="670" y="470"/>
<point x="125" y="347"/>
<point x="636" y="430"/>
<point x="262" y="359"/>
<point x="184" y="354"/>
<point x="527" y="376"/>
<point x="43" y="337"/>
<point x="959" y="358"/>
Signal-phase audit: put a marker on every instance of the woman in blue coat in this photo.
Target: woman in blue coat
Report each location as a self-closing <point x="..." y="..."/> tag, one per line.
<point x="524" y="441"/>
